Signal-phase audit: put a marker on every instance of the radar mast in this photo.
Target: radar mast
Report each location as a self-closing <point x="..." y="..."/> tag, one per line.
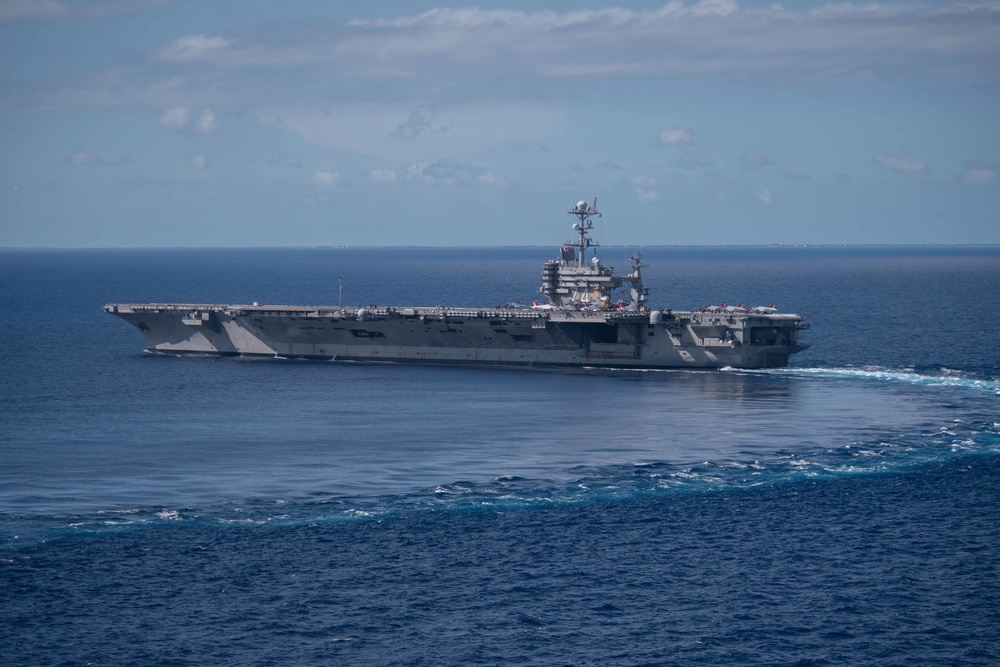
<point x="584" y="213"/>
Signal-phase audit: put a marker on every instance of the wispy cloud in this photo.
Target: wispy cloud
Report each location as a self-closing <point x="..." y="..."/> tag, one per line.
<point x="981" y="172"/>
<point x="419" y="121"/>
<point x="368" y="128"/>
<point x="84" y="158"/>
<point x="192" y="48"/>
<point x="678" y="135"/>
<point x="180" y="119"/>
<point x="765" y="197"/>
<point x="707" y="38"/>
<point x="692" y="161"/>
<point x="753" y="160"/>
<point x="48" y="10"/>
<point x="283" y="159"/>
<point x="176" y="118"/>
<point x="20" y="10"/>
<point x="448" y="47"/>
<point x="382" y="176"/>
<point x="324" y="178"/>
<point x="901" y="164"/>
<point x="645" y="181"/>
<point x="207" y="124"/>
<point x="79" y="158"/>
<point x="200" y="161"/>
<point x="449" y="172"/>
<point x="646" y="196"/>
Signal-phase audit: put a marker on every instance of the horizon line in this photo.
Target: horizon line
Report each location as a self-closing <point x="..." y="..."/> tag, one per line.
<point x="499" y="247"/>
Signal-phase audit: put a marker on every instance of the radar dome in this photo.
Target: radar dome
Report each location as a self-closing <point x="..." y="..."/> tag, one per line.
<point x="581" y="206"/>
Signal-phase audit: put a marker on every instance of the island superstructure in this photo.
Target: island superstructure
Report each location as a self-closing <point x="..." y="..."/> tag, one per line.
<point x="581" y="324"/>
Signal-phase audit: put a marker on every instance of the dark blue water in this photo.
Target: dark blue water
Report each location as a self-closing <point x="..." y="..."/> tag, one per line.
<point x="192" y="511"/>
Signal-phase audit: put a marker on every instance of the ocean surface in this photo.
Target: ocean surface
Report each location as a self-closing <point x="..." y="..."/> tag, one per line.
<point x="183" y="510"/>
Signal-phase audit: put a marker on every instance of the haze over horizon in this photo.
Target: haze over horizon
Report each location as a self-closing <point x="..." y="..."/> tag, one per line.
<point x="165" y="123"/>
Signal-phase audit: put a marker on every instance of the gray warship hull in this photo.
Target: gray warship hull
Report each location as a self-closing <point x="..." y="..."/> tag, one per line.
<point x="498" y="336"/>
<point x="593" y="318"/>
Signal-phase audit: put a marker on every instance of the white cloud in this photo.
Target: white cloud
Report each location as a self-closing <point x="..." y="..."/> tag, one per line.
<point x="19" y="10"/>
<point x="304" y="61"/>
<point x="716" y="7"/>
<point x="764" y="197"/>
<point x="489" y="178"/>
<point x="449" y="172"/>
<point x="981" y="172"/>
<point x="192" y="48"/>
<point x="207" y="123"/>
<point x="708" y="38"/>
<point x="179" y="119"/>
<point x="200" y="161"/>
<point x="643" y="181"/>
<point x="979" y="176"/>
<point x="382" y="176"/>
<point x="84" y="158"/>
<point x="902" y="164"/>
<point x="80" y="158"/>
<point x="753" y="160"/>
<point x="176" y="118"/>
<point x="678" y="135"/>
<point x="324" y="178"/>
<point x="646" y="196"/>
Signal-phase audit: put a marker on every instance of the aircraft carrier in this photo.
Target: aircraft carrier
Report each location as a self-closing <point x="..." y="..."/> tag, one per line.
<point x="580" y="323"/>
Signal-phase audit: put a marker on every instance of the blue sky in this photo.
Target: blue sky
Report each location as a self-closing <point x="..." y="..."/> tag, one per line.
<point x="173" y="123"/>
